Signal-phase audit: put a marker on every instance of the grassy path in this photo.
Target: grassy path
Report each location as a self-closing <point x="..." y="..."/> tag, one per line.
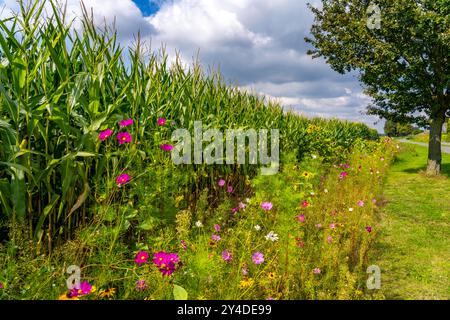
<point x="414" y="247"/>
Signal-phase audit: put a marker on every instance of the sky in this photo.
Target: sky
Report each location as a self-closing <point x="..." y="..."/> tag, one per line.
<point x="257" y="44"/>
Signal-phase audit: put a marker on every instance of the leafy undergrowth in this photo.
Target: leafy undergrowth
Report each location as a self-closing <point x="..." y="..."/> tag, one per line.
<point x="305" y="233"/>
<point x="414" y="246"/>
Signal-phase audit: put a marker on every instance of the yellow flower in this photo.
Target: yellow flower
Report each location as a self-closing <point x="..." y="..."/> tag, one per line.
<point x="108" y="293"/>
<point x="246" y="283"/>
<point x="271" y="275"/>
<point x="65" y="296"/>
<point x="307" y="175"/>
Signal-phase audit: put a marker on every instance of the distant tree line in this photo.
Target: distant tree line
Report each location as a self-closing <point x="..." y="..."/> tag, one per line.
<point x="397" y="129"/>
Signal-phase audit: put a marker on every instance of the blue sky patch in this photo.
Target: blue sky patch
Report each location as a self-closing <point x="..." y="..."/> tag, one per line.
<point x="147" y="7"/>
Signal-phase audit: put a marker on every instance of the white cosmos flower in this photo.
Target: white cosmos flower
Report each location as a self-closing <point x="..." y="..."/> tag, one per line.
<point x="272" y="236"/>
<point x="199" y="224"/>
<point x="257" y="228"/>
<point x="350" y="209"/>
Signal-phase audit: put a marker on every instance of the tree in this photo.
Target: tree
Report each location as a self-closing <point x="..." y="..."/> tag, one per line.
<point x="390" y="128"/>
<point x="403" y="64"/>
<point x="395" y="129"/>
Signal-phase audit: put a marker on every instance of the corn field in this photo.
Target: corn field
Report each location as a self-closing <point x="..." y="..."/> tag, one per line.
<point x="59" y="87"/>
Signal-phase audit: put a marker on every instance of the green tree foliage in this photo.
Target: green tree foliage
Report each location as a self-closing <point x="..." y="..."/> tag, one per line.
<point x="404" y="65"/>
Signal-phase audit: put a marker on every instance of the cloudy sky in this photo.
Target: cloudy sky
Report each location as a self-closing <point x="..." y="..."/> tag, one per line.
<point x="258" y="45"/>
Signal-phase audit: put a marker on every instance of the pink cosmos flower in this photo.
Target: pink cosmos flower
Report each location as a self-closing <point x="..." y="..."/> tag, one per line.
<point x="105" y="134"/>
<point x="126" y="123"/>
<point x="141" y="285"/>
<point x="124" y="137"/>
<point x="215" y="237"/>
<point x="141" y="258"/>
<point x="221" y="183"/>
<point x="258" y="258"/>
<point x="301" y="218"/>
<point x="266" y="206"/>
<point x="166" y="262"/>
<point x="374" y="201"/>
<point x="122" y="179"/>
<point x="173" y="257"/>
<point x="217" y="227"/>
<point x="85" y="288"/>
<point x="319" y="226"/>
<point x="166" y="147"/>
<point x="242" y="205"/>
<point x="332" y="226"/>
<point x="230" y="189"/>
<point x="343" y="175"/>
<point x="244" y="270"/>
<point x="161" y="121"/>
<point x="226" y="256"/>
<point x="305" y="204"/>
<point x="361" y="203"/>
<point x="159" y="258"/>
<point x="183" y="244"/>
<point x="329" y="239"/>
<point x="317" y="271"/>
<point x="369" y="229"/>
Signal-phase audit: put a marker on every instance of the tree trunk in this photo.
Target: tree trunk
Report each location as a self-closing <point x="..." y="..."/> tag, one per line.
<point x="434" y="149"/>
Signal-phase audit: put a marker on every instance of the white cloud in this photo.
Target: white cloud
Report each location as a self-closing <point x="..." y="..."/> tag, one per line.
<point x="258" y="44"/>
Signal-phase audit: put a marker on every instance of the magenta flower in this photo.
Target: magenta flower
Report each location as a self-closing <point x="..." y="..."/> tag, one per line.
<point x="166" y="262"/>
<point x="317" y="271"/>
<point x="183" y="244"/>
<point x="221" y="183"/>
<point x="215" y="237"/>
<point x="301" y="218"/>
<point x="361" y="203"/>
<point x="124" y="137"/>
<point x="343" y="175"/>
<point x="2" y="286"/>
<point x="305" y="204"/>
<point x="230" y="189"/>
<point x="161" y="121"/>
<point x="266" y="206"/>
<point x="369" y="229"/>
<point x="258" y="258"/>
<point x="160" y="258"/>
<point x="126" y="123"/>
<point x="234" y="210"/>
<point x="217" y="227"/>
<point x="122" y="179"/>
<point x="226" y="256"/>
<point x="141" y="285"/>
<point x="141" y="257"/>
<point x="244" y="270"/>
<point x="85" y="288"/>
<point x="105" y="134"/>
<point x="166" y="147"/>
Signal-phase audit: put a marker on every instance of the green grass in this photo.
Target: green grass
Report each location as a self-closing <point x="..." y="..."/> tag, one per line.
<point x="425" y="136"/>
<point x="415" y="246"/>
